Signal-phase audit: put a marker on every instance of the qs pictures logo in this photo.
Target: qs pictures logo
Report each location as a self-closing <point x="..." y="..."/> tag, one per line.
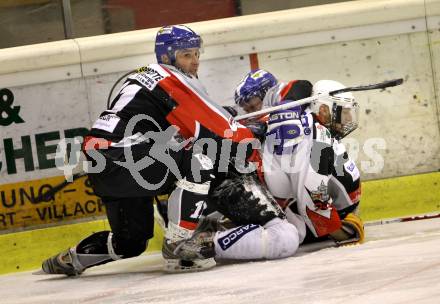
<point x="8" y="112"/>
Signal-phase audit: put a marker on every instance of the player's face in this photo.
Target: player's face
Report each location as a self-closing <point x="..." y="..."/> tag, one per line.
<point x="346" y="116"/>
<point x="347" y="119"/>
<point x="254" y="104"/>
<point x="324" y="115"/>
<point x="188" y="60"/>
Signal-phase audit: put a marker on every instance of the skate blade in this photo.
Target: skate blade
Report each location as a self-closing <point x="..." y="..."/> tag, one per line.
<point x="39" y="272"/>
<point x="175" y="265"/>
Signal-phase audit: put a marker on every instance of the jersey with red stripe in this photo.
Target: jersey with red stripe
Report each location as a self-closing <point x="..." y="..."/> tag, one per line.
<point x="167" y="97"/>
<point x="292" y="90"/>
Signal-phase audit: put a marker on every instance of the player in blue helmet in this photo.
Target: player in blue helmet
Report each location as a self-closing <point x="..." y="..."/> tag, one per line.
<point x="251" y="90"/>
<point x="166" y="94"/>
<point x="180" y="46"/>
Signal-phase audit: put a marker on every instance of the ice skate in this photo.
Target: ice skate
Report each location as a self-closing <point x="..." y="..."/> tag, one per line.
<point x="195" y="253"/>
<point x="63" y="263"/>
<point x="187" y="262"/>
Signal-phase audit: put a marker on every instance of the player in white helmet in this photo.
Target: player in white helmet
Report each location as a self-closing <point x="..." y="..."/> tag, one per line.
<point x="338" y="113"/>
<point x="305" y="166"/>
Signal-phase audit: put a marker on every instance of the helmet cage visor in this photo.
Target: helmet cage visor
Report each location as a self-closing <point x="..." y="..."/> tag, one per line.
<point x="344" y="116"/>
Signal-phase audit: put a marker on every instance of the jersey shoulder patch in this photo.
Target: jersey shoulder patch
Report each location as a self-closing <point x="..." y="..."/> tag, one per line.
<point x="150" y="75"/>
<point x="107" y="122"/>
<point x="352" y="169"/>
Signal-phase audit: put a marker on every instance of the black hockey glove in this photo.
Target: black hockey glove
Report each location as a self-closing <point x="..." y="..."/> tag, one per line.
<point x="231" y="110"/>
<point x="258" y="128"/>
<point x="233" y="198"/>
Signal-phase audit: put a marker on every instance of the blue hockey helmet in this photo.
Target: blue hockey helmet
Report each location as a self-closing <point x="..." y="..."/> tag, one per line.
<point x="171" y="38"/>
<point x="255" y="83"/>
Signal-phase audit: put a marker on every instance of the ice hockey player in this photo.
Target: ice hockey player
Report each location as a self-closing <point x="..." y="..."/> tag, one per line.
<point x="321" y="190"/>
<point x="166" y="94"/>
<point x="155" y="103"/>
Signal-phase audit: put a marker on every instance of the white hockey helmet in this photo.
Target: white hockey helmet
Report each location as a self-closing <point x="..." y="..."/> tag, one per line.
<point x="339" y="113"/>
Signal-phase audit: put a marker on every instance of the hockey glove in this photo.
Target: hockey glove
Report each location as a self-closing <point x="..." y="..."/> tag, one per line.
<point x="258" y="128"/>
<point x="231" y="110"/>
<point x="351" y="232"/>
<point x="243" y="200"/>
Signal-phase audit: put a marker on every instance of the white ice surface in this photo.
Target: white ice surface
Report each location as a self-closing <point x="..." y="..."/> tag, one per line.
<point x="399" y="263"/>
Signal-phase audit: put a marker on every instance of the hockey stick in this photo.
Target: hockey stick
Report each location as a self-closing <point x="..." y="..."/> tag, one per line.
<point x="403" y="219"/>
<point x="288" y="105"/>
<point x="380" y="85"/>
<point x="49" y="194"/>
<point x="311" y="247"/>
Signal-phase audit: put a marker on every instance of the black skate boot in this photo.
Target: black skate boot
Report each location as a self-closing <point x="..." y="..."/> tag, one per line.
<point x="94" y="250"/>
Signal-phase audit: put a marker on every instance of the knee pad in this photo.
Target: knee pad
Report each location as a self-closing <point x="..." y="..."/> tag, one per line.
<point x="281" y="239"/>
<point x="298" y="222"/>
<point x="187" y="202"/>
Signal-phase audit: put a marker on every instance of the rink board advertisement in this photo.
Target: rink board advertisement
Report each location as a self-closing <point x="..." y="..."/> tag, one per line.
<point x="19" y="208"/>
<point x="34" y="120"/>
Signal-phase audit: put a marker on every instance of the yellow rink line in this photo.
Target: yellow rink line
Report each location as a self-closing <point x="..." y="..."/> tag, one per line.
<point x="393" y="197"/>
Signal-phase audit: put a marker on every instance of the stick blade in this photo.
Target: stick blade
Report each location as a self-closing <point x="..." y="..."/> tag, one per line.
<point x="393" y="83"/>
<point x="39" y="272"/>
<point x="376" y="86"/>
